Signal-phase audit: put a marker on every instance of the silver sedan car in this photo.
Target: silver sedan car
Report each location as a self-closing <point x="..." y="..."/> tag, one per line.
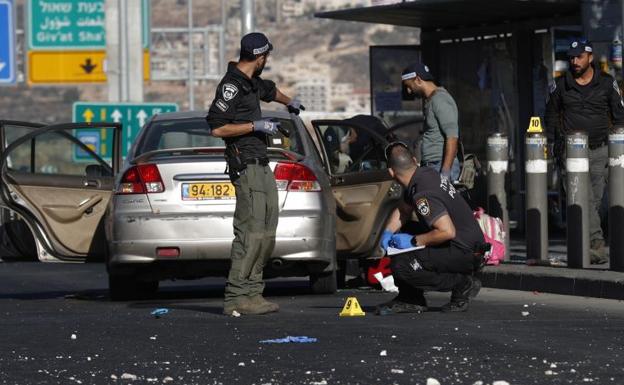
<point x="166" y="211"/>
<point x="171" y="215"/>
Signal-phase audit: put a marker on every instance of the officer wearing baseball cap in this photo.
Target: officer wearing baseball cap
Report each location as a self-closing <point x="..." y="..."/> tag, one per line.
<point x="440" y="139"/>
<point x="586" y="99"/>
<point x="236" y="117"/>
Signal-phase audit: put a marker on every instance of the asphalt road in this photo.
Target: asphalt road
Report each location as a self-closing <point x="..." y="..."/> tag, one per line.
<point x="558" y="339"/>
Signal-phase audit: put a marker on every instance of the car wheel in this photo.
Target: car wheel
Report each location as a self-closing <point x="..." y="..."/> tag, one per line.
<point x="128" y="287"/>
<point x="324" y="283"/>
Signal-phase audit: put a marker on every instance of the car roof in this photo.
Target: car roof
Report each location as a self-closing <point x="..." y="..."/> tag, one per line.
<point x="180" y="115"/>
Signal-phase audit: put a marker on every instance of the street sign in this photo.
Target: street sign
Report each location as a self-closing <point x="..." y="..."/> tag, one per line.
<point x="46" y="67"/>
<point x="131" y="115"/>
<point x="7" y="43"/>
<point x="73" y="25"/>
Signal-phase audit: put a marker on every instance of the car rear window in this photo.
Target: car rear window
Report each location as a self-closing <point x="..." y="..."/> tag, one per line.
<point x="189" y="133"/>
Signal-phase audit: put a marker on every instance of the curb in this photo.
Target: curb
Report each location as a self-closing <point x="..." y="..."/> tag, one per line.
<point x="584" y="283"/>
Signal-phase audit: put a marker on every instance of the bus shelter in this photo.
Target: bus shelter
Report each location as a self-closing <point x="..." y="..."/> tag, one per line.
<point x="497" y="58"/>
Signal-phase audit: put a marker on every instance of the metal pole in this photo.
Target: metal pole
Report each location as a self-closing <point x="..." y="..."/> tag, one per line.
<point x="134" y="50"/>
<point x="247" y="17"/>
<point x="191" y="80"/>
<point x="536" y="197"/>
<point x="497" y="157"/>
<point x="616" y="199"/>
<point x="123" y="57"/>
<point x="113" y="51"/>
<point x="222" y="38"/>
<point x="577" y="193"/>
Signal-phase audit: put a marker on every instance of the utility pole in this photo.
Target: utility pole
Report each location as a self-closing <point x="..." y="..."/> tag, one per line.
<point x="124" y="50"/>
<point x="247" y="17"/>
<point x="191" y="80"/>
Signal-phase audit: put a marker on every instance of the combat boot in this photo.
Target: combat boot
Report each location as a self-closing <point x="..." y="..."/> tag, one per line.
<point x="461" y="295"/>
<point x="259" y="300"/>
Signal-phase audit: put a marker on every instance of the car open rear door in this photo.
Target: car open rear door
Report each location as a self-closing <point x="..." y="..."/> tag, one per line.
<point x="365" y="193"/>
<point x="60" y="179"/>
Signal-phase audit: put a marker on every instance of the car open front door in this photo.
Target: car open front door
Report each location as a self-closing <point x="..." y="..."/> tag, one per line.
<point x="60" y="179"/>
<point x="365" y="193"/>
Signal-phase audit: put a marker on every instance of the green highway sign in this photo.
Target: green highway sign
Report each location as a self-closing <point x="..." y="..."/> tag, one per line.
<point x="131" y="115"/>
<point x="73" y="24"/>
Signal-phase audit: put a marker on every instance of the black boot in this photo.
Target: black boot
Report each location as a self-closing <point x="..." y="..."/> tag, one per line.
<point x="461" y="294"/>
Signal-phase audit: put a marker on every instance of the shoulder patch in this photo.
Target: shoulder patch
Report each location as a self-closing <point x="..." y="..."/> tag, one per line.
<point x="229" y="91"/>
<point x="422" y="205"/>
<point x="223" y="106"/>
<point x="616" y="87"/>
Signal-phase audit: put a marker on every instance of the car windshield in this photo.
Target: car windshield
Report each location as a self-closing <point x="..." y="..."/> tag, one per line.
<point x="189" y="133"/>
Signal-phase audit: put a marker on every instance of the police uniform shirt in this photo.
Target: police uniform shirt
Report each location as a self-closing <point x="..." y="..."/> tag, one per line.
<point x="425" y="178"/>
<point x="430" y="202"/>
<point x="237" y="101"/>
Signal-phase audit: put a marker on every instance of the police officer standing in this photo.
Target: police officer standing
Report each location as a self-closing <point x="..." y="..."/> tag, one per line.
<point x="453" y="242"/>
<point x="586" y="99"/>
<point x="235" y="116"/>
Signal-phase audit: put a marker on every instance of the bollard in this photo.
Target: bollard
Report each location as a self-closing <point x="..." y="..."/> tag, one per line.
<point x="536" y="168"/>
<point x="577" y="193"/>
<point x="497" y="147"/>
<point x="616" y="198"/>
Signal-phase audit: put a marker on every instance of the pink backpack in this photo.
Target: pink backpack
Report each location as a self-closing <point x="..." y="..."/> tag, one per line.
<point x="494" y="234"/>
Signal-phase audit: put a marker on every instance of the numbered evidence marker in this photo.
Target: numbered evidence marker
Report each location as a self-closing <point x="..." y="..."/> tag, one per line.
<point x="352" y="308"/>
<point x="535" y="125"/>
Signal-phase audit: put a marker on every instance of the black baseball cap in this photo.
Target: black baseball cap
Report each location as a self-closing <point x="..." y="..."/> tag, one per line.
<point x="416" y="69"/>
<point x="577" y="47"/>
<point x="255" y="43"/>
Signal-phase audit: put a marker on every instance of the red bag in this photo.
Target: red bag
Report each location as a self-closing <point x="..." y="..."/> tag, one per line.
<point x="383" y="267"/>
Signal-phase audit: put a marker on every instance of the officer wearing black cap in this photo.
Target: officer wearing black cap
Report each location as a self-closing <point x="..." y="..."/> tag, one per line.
<point x="440" y="138"/>
<point x="453" y="242"/>
<point x="235" y="116"/>
<point x="589" y="100"/>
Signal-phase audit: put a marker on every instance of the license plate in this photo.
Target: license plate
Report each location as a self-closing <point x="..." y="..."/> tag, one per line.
<point x="207" y="191"/>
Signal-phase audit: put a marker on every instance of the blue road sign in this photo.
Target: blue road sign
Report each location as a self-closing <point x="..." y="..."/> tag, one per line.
<point x="7" y="42"/>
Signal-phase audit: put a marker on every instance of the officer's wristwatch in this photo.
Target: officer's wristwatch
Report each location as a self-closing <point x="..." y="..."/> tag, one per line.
<point x="414" y="241"/>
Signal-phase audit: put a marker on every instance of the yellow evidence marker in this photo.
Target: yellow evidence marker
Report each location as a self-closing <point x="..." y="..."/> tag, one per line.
<point x="535" y="125"/>
<point x="352" y="308"/>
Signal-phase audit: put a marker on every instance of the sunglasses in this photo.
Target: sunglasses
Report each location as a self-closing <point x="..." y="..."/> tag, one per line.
<point x="390" y="146"/>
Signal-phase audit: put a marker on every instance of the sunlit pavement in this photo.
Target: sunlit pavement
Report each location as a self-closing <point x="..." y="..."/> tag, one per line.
<point x="58" y="326"/>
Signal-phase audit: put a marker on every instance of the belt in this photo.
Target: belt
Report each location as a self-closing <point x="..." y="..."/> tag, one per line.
<point x="257" y="161"/>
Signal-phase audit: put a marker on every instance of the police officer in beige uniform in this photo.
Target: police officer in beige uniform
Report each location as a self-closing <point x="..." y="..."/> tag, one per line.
<point x="235" y="116"/>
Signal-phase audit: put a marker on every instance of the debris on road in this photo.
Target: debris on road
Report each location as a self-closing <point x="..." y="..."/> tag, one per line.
<point x="500" y="383"/>
<point x="73" y="336"/>
<point x="128" y="376"/>
<point x="159" y="312"/>
<point x="383" y="353"/>
<point x="525" y="313"/>
<point x="397" y="371"/>
<point x="289" y="339"/>
<point x="167" y="379"/>
<point x="432" y="381"/>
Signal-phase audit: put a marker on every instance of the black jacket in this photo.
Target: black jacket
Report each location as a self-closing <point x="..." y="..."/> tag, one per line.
<point x="593" y="108"/>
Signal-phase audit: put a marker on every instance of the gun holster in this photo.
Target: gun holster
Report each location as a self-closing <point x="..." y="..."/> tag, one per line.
<point x="234" y="162"/>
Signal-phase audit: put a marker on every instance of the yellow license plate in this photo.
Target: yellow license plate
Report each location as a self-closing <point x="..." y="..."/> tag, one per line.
<point x="206" y="191"/>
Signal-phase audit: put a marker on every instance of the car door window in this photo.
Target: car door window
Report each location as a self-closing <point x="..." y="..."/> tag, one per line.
<point x="352" y="149"/>
<point x="63" y="153"/>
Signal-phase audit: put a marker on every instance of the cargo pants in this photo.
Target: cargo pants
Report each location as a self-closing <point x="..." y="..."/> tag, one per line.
<point x="255" y="222"/>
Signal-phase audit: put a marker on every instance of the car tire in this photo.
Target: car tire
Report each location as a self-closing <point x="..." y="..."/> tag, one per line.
<point x="324" y="283"/>
<point x="128" y="287"/>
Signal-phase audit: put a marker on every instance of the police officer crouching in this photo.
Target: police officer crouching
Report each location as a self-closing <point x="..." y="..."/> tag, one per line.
<point x="454" y="243"/>
<point x="235" y="116"/>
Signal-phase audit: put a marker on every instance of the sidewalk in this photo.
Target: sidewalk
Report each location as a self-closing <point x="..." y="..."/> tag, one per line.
<point x="517" y="275"/>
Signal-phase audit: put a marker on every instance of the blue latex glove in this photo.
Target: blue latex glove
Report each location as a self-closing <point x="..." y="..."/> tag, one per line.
<point x="385" y="239"/>
<point x="267" y="126"/>
<point x="401" y="241"/>
<point x="295" y="106"/>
